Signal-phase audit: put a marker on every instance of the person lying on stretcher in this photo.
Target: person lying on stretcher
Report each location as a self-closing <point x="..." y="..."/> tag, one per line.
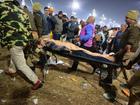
<point x="71" y="47"/>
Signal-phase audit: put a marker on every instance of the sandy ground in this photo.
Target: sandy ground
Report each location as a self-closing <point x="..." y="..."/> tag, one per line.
<point x="60" y="88"/>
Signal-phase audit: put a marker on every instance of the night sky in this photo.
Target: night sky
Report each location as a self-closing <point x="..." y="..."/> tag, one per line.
<point x="113" y="9"/>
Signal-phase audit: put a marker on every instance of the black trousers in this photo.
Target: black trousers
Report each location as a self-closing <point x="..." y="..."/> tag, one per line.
<point x="75" y="63"/>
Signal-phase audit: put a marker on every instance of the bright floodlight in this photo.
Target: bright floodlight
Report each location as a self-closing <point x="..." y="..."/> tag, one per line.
<point x="75" y="5"/>
<point x="23" y="3"/>
<point x="94" y="13"/>
<point x="103" y="17"/>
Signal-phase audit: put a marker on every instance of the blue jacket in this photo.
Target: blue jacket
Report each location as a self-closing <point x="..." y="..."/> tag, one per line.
<point x="87" y="34"/>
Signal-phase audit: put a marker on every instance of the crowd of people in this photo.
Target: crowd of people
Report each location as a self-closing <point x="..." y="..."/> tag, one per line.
<point x="19" y="27"/>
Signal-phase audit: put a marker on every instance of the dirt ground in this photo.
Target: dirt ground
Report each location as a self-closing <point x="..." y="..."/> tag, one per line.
<point x="60" y="88"/>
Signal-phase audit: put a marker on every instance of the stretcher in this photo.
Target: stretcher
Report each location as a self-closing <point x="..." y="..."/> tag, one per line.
<point x="71" y="51"/>
<point x="74" y="52"/>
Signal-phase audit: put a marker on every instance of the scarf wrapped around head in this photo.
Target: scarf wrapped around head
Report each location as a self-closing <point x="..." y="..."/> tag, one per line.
<point x="37" y="6"/>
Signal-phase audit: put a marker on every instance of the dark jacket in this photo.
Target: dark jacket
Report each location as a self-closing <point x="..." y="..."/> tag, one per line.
<point x="52" y="22"/>
<point x="65" y="28"/>
<point x="136" y="57"/>
<point x="131" y="36"/>
<point x="46" y="28"/>
<point x="116" y="41"/>
<point x="31" y="19"/>
<point x="72" y="26"/>
<point x="58" y="25"/>
<point x="39" y="21"/>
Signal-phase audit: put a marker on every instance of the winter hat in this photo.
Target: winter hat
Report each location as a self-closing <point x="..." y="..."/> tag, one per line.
<point x="60" y="12"/>
<point x="37" y="6"/>
<point x="46" y="8"/>
<point x="133" y="14"/>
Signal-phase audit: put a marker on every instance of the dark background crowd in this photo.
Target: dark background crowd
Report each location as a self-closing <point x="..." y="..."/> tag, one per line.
<point x="18" y="26"/>
<point x="61" y="27"/>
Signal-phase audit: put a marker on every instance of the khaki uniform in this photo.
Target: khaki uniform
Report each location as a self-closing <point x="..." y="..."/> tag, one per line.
<point x="131" y="36"/>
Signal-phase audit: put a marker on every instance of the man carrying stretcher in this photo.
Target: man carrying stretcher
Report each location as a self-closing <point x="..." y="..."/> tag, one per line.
<point x="129" y="43"/>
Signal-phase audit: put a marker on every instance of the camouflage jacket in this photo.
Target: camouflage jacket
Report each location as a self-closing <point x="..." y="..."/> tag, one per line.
<point x="131" y="36"/>
<point x="14" y="25"/>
